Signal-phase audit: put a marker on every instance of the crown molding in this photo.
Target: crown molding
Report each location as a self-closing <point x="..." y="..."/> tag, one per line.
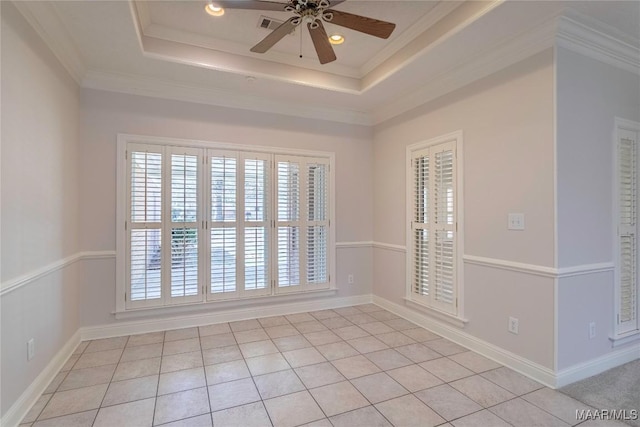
<point x="568" y="29"/>
<point x="44" y="19"/>
<point x="160" y="88"/>
<point x="439" y="11"/>
<point x="574" y="33"/>
<point x="493" y="59"/>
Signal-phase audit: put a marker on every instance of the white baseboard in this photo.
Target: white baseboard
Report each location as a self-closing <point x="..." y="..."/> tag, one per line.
<point x="520" y="364"/>
<point x="595" y="366"/>
<point x="21" y="407"/>
<point x="229" y="315"/>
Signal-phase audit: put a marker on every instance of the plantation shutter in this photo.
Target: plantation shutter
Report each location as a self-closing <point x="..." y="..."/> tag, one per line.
<point x="444" y="226"/>
<point x="318" y="223"/>
<point x="223" y="224"/>
<point x="288" y="225"/>
<point x="433" y="226"/>
<point x="184" y="216"/>
<point x="205" y="224"/>
<point x="302" y="224"/>
<point x="421" y="222"/>
<point x="255" y="223"/>
<point x="627" y="287"/>
<point x="144" y="239"/>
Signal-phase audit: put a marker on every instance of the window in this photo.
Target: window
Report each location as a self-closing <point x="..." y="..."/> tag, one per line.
<point x="204" y="224"/>
<point x="626" y="283"/>
<point x="433" y="240"/>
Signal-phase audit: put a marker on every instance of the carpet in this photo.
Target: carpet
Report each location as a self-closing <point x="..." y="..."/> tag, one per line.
<point x="617" y="388"/>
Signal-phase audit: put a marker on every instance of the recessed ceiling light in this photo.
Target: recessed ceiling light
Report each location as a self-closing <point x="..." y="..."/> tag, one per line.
<point x="336" y="39"/>
<point x="213" y="9"/>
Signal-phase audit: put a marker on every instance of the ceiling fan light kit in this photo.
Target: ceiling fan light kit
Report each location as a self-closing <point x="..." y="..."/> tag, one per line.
<point x="312" y="13"/>
<point x="336" y="39"/>
<point x="213" y="9"/>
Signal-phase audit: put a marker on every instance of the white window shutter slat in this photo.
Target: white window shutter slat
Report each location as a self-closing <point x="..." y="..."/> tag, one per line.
<point x="145" y="263"/>
<point x="317" y="228"/>
<point x="223" y="172"/>
<point x="208" y="224"/>
<point x="183" y="210"/>
<point x="627" y="283"/>
<point x="433" y="227"/>
<point x="302" y="223"/>
<point x="256" y="245"/>
<point x="144" y="241"/>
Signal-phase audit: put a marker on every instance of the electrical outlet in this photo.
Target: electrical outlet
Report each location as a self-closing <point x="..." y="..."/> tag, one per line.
<point x="513" y="325"/>
<point x="350" y="279"/>
<point x="592" y="330"/>
<point x="31" y="349"/>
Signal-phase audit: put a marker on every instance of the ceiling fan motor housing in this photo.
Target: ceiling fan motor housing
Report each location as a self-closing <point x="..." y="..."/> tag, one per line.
<point x="309" y="11"/>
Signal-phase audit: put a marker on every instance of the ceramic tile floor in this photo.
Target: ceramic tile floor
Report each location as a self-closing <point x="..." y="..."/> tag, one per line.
<point x="353" y="366"/>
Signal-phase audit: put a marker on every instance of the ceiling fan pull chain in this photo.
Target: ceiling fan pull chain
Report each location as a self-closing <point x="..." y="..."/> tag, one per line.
<point x="300" y="43"/>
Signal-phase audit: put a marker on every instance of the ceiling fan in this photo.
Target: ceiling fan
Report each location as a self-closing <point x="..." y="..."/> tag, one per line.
<point x="311" y="12"/>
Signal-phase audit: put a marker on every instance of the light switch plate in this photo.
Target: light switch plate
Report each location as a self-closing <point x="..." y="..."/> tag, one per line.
<point x="516" y="221"/>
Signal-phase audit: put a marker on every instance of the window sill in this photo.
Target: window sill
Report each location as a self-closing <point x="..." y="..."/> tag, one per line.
<point x="222" y="305"/>
<point x="625" y="338"/>
<point x="454" y="320"/>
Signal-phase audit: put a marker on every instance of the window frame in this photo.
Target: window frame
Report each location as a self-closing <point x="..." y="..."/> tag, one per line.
<point x="122" y="216"/>
<point x="457" y="312"/>
<point x="623" y="331"/>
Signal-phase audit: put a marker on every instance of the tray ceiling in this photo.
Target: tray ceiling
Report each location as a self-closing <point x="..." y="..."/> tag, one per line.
<point x="173" y="49"/>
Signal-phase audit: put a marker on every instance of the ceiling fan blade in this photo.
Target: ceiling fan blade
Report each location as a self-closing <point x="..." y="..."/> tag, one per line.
<point x="336" y="2"/>
<point x="251" y="5"/>
<point x="370" y="26"/>
<point x="275" y="36"/>
<point x="321" y="43"/>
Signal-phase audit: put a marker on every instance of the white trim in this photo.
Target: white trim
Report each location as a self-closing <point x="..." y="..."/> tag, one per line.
<point x="372" y="244"/>
<point x="456" y="321"/>
<point x="540" y="270"/>
<point x="595" y="366"/>
<point x="556" y="326"/>
<point x="45" y="21"/>
<point x="125" y="138"/>
<point x="621" y="331"/>
<point x="352" y="245"/>
<point x="487" y="62"/>
<point x="390" y="247"/>
<point x="567" y="28"/>
<point x="253" y="302"/>
<point x="166" y="89"/>
<point x="98" y="255"/>
<point x="626" y="338"/>
<point x="21" y="407"/>
<point x="596" y="44"/>
<point x="453" y="142"/>
<point x="503" y="264"/>
<point x="230" y="315"/>
<point x="18" y="282"/>
<point x="585" y="269"/>
<point x="127" y="142"/>
<point x="520" y="364"/>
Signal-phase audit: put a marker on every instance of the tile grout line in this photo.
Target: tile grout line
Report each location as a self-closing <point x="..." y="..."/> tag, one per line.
<point x="109" y="384"/>
<point x="290" y="367"/>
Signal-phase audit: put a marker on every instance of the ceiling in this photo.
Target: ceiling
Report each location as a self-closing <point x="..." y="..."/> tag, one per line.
<point x="174" y="49"/>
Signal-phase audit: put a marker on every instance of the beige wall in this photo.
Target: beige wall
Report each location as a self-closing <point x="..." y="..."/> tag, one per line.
<point x="104" y="115"/>
<point x="507" y="121"/>
<point x="39" y="203"/>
